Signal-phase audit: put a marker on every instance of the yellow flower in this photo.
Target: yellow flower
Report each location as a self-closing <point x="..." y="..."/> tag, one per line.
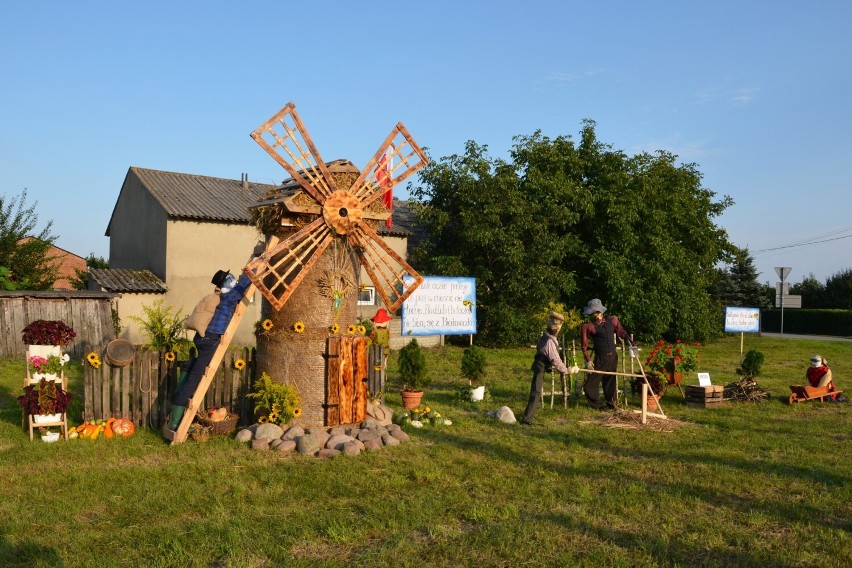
<point x="362" y="330"/>
<point x="94" y="360"/>
<point x="351" y="329"/>
<point x="298" y="327"/>
<point x="267" y="325"/>
<point x="297" y="412"/>
<point x="239" y="364"/>
<point x="170" y="356"/>
<point x="334" y="328"/>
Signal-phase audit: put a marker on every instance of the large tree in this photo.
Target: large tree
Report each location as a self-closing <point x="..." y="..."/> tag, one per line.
<point x="738" y="285"/>
<point x="568" y="222"/>
<point x="812" y="292"/>
<point x="24" y="252"/>
<point x="838" y="290"/>
<point x="80" y="281"/>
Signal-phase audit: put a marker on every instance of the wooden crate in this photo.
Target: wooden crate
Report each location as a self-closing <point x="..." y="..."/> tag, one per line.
<point x="704" y="397"/>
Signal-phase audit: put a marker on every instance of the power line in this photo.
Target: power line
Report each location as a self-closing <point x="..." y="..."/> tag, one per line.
<point x="804" y="244"/>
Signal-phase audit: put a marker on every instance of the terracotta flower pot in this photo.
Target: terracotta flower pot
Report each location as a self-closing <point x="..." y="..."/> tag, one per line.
<point x="411" y="398"/>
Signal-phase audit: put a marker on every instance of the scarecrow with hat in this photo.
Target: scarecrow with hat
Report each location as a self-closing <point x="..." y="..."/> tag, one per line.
<point x="380" y="335"/>
<point x="546" y="358"/>
<point x="209" y="328"/>
<point x="602" y="331"/>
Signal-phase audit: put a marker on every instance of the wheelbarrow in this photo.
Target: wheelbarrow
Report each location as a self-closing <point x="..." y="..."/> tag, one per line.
<point x="801" y="394"/>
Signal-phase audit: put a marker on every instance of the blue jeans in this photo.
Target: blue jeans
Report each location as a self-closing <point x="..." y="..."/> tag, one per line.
<point x="206" y="347"/>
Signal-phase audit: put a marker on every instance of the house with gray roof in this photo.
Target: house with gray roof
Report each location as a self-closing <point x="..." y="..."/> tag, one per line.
<point x="169" y="232"/>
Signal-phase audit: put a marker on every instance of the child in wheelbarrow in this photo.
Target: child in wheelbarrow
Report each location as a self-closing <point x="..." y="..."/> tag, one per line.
<point x="819" y="375"/>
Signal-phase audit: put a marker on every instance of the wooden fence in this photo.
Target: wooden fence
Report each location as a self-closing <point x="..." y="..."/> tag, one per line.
<point x="143" y="389"/>
<point x="89" y="314"/>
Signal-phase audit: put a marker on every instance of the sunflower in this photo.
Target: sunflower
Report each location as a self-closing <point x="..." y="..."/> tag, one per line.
<point x="334" y="328"/>
<point x="239" y="364"/>
<point x="351" y="329"/>
<point x="94" y="360"/>
<point x="297" y="412"/>
<point x="362" y="330"/>
<point x="170" y="356"/>
<point x="267" y="324"/>
<point x="298" y="327"/>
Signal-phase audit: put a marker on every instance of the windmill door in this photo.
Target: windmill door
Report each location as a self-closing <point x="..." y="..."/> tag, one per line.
<point x="346" y="380"/>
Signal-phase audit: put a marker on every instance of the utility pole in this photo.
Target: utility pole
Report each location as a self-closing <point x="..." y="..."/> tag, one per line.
<point x="783" y="272"/>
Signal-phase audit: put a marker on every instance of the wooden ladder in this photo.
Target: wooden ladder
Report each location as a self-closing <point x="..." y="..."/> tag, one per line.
<point x="180" y="434"/>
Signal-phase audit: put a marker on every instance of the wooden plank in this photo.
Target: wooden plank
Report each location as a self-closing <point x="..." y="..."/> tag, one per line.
<point x="126" y="392"/>
<point x="361" y="377"/>
<point x="347" y="380"/>
<point x="332" y="382"/>
<point x="88" y="389"/>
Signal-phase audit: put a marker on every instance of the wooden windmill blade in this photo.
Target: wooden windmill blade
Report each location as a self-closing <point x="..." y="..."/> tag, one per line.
<point x="278" y="271"/>
<point x="397" y="158"/>
<point x="384" y="266"/>
<point x="285" y="138"/>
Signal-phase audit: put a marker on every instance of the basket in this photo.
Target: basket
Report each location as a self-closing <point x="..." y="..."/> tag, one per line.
<point x="225" y="426"/>
<point x="119" y="352"/>
<point x="201" y="433"/>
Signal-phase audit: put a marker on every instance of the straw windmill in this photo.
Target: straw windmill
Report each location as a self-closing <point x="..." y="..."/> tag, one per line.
<point x="321" y="226"/>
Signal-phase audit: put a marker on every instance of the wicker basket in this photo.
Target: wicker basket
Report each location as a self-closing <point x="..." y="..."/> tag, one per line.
<point x="200" y="433"/>
<point x="225" y="426"/>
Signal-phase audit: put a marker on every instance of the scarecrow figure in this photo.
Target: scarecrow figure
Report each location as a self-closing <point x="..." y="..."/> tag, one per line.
<point x="380" y="335"/>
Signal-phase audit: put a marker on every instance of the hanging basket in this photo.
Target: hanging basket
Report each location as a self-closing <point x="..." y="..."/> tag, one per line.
<point x="119" y="352"/>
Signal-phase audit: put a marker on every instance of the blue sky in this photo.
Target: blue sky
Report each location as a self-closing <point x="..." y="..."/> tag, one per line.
<point x="755" y="93"/>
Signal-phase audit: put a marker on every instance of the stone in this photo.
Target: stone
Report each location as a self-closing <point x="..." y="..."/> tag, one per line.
<point x="400" y="435"/>
<point x="286" y="446"/>
<point x="293" y="432"/>
<point x="328" y="453"/>
<point x="505" y="415"/>
<point x="352" y="448"/>
<point x="389" y="440"/>
<point x="337" y="431"/>
<point x="275" y="443"/>
<point x="321" y="435"/>
<point x="307" y="444"/>
<point x="244" y="435"/>
<point x="373" y="444"/>
<point x="380" y="413"/>
<point x="268" y="431"/>
<point x="260" y="444"/>
<point x="338" y="440"/>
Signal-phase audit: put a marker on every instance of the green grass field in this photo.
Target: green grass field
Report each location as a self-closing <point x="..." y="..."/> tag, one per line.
<point x="743" y="485"/>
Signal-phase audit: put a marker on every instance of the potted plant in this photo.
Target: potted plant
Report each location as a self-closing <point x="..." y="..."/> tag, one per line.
<point x="672" y="360"/>
<point x="412" y="372"/>
<point x="275" y="402"/>
<point x="47" y="332"/>
<point x="657" y="385"/>
<point x="45" y="400"/>
<point x="473" y="369"/>
<point x="46" y="367"/>
<point x="48" y="434"/>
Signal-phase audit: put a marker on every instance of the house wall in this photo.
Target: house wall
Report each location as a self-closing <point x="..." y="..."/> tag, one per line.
<point x="137" y="230"/>
<point x="196" y="251"/>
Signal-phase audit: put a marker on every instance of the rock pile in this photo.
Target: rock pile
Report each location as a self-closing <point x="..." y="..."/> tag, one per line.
<point x="351" y="440"/>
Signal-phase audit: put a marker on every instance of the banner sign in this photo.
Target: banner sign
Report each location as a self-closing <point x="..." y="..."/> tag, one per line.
<point x="742" y="320"/>
<point x="440" y="306"/>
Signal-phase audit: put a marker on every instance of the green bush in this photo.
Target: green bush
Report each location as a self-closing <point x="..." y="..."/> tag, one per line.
<point x="274" y="402"/>
<point x="752" y="363"/>
<point x="164" y="327"/>
<point x="473" y="364"/>
<point x="412" y="367"/>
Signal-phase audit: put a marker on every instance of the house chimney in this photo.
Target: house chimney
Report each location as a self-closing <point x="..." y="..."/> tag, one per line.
<point x="245" y="182"/>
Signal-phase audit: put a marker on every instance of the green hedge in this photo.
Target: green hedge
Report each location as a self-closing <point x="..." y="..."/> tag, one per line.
<point x="809" y="322"/>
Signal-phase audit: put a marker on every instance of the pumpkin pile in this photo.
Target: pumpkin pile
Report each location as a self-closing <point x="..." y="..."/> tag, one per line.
<point x="110" y="428"/>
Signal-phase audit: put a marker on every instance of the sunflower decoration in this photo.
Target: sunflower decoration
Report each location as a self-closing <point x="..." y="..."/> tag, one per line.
<point x="240" y="364"/>
<point x="267" y="325"/>
<point x="94" y="360"/>
<point x="351" y="329"/>
<point x="299" y="327"/>
<point x="170" y="356"/>
<point x="362" y="330"/>
<point x="334" y="328"/>
<point x="297" y="412"/>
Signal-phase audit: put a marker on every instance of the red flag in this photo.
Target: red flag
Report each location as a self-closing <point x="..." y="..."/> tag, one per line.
<point x="383" y="176"/>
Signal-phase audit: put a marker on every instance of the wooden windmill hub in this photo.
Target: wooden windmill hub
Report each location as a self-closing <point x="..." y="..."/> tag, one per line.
<point x="342" y="211"/>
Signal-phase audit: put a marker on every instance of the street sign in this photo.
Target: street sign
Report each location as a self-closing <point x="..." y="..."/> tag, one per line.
<point x="790" y="301"/>
<point x="782" y="272"/>
<point x="778" y="291"/>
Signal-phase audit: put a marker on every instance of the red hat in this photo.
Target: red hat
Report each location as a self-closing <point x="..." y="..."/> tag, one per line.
<point x="381" y="316"/>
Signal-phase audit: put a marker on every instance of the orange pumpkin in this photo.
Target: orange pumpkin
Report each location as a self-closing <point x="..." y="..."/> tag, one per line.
<point x="123" y="427"/>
